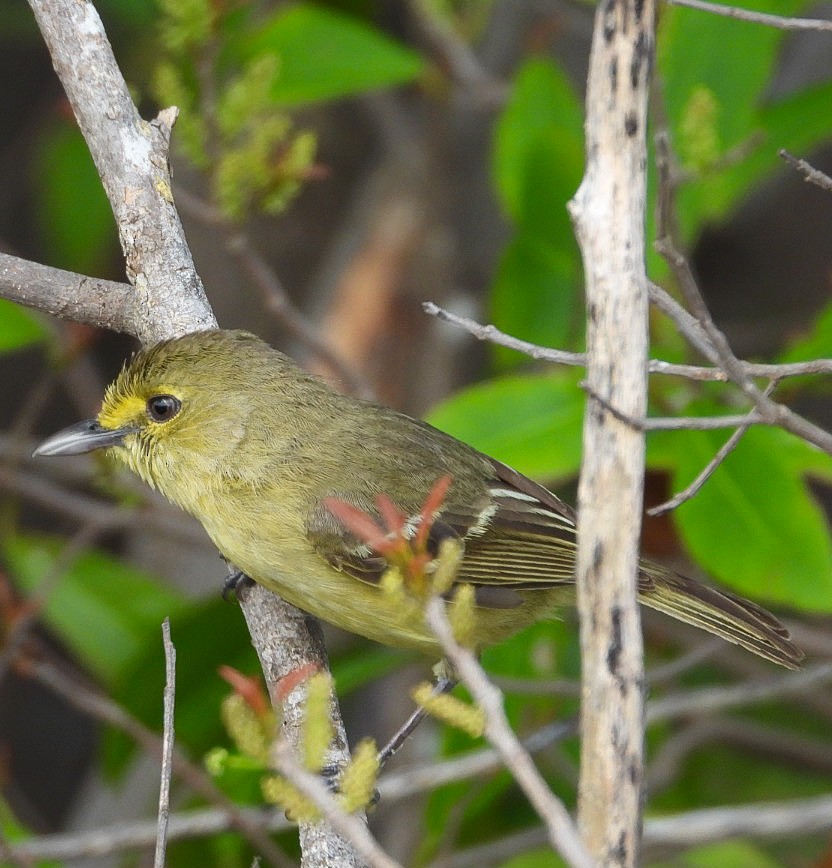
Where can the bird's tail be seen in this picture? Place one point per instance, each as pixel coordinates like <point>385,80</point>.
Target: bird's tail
<point>733,618</point>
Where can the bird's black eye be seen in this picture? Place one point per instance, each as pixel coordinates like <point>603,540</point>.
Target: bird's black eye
<point>162,408</point>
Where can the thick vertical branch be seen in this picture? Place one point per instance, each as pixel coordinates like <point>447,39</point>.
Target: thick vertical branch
<point>608,212</point>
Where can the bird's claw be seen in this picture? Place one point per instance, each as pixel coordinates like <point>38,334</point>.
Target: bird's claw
<point>233,583</point>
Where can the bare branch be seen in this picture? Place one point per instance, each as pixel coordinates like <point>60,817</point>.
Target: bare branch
<point>779,21</point>
<point>705,474</point>
<point>659,297</point>
<point>810,174</point>
<point>563,835</point>
<point>167,748</point>
<point>131,156</point>
<point>719,349</point>
<point>712,699</point>
<point>199,823</point>
<point>760,820</point>
<point>102,303</point>
<point>457,57</point>
<point>290,641</point>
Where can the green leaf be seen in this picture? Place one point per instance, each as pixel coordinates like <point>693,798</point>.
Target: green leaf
<point>206,635</point>
<point>538,148</point>
<point>324,54</point>
<point>532,422</point>
<point>14,831</point>
<point>816,344</point>
<point>541,858</point>
<point>104,610</point>
<point>75,217</point>
<point>18,327</point>
<point>535,294</point>
<point>755,524</point>
<point>364,664</point>
<point>725,854</point>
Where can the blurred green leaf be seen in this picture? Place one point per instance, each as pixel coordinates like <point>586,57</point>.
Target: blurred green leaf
<point>18,327</point>
<point>816,343</point>
<point>14,831</point>
<point>364,664</point>
<point>74,215</point>
<point>206,635</point>
<point>542,858</point>
<point>128,13</point>
<point>755,524</point>
<point>324,54</point>
<point>534,295</point>
<point>539,138</point>
<point>538,159</point>
<point>725,854</point>
<point>104,610</point>
<point>532,422</point>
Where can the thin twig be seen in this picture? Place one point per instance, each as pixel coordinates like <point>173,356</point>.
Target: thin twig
<point>563,834</point>
<point>457,56</point>
<point>769,744</point>
<point>674,423</point>
<point>779,21</point>
<point>658,297</point>
<point>163,815</point>
<point>711,699</point>
<point>761,820</point>
<point>770,411</point>
<point>349,826</point>
<point>705,474</point>
<point>140,834</point>
<point>696,655</point>
<point>767,820</point>
<point>810,174</point>
<point>394,787</point>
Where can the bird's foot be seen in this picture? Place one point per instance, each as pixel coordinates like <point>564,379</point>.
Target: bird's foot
<point>234,583</point>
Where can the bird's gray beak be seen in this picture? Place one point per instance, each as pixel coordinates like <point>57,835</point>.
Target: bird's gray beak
<point>82,437</point>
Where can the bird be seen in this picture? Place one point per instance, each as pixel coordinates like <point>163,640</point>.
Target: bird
<point>238,435</point>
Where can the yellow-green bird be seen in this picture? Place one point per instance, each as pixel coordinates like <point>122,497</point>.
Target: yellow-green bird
<point>239,436</point>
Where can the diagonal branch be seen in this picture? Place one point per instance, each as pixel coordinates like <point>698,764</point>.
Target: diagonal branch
<point>131,156</point>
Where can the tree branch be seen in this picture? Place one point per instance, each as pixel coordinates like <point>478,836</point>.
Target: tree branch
<point>781,22</point>
<point>608,213</point>
<point>658,296</point>
<point>102,303</point>
<point>131,156</point>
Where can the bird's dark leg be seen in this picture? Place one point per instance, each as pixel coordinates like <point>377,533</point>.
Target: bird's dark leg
<point>444,683</point>
<point>235,580</point>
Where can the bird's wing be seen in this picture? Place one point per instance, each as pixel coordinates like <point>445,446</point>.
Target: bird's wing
<point>523,538</point>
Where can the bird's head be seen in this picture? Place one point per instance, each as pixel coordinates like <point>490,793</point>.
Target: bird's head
<point>175,413</point>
